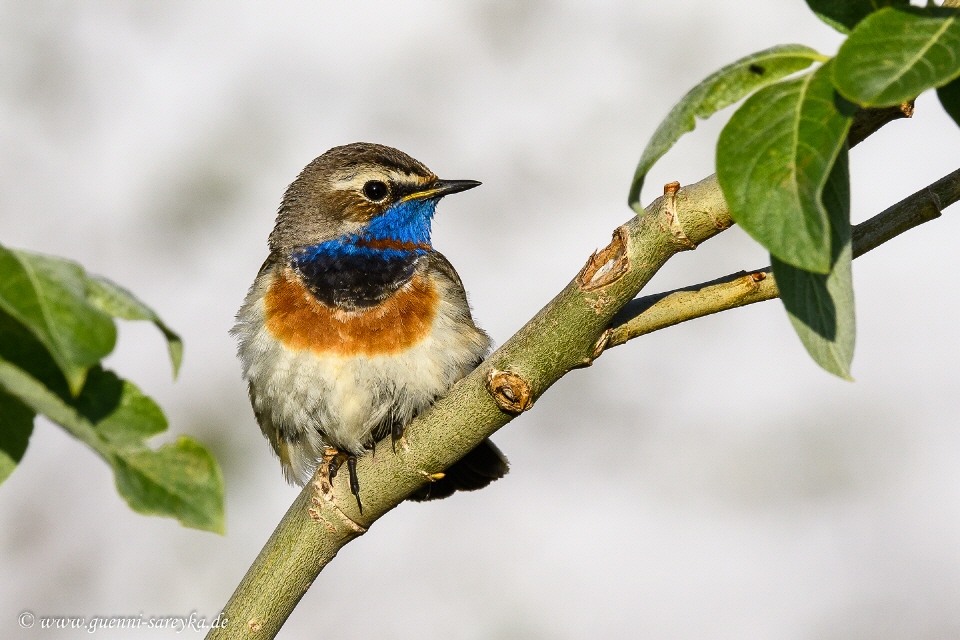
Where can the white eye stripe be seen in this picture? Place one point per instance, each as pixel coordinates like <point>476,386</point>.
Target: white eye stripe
<point>354,180</point>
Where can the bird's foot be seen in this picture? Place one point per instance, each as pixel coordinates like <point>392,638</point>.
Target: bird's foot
<point>334,459</point>
<point>354,481</point>
<point>396,435</point>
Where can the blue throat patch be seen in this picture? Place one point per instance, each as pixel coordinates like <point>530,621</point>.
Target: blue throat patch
<point>404,222</point>
<point>361,270</point>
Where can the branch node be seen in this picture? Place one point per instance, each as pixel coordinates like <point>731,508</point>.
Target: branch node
<point>607,265</point>
<point>324,499</point>
<point>601,344</point>
<point>510,391</point>
<point>433,477</point>
<point>758,276</point>
<point>869,120</point>
<point>938,205</point>
<point>673,226</point>
<point>598,348</point>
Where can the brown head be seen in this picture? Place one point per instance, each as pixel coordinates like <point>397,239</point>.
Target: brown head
<point>340,192</point>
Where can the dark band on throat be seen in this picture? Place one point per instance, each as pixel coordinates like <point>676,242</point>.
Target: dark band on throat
<point>359,275</point>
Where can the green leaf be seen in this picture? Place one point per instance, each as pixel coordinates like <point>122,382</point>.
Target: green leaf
<point>48,296</point>
<point>821,310</point>
<point>119,411</point>
<point>719,90</point>
<point>949,95</point>
<point>113,417</point>
<point>121,414</point>
<point>113,299</point>
<point>844,15</point>
<point>773,160</point>
<point>21,347</point>
<point>821,306</point>
<point>40,399</point>
<point>182,479</point>
<point>16,425</point>
<point>895,55</point>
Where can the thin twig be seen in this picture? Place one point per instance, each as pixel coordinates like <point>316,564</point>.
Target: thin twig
<point>659,311</point>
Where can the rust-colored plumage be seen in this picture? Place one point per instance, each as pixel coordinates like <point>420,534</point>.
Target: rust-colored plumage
<point>296,318</point>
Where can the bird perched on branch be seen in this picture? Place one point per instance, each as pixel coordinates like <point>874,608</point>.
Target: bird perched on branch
<point>355,324</point>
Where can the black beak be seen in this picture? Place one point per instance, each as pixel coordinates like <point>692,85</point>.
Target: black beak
<point>446,187</point>
<point>439,188</point>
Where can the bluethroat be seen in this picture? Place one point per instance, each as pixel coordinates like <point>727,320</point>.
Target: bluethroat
<point>355,324</point>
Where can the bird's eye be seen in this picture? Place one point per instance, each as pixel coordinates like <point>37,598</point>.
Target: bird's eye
<point>375,190</point>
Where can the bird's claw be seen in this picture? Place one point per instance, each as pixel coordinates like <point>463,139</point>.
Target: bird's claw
<point>334,459</point>
<point>396,435</point>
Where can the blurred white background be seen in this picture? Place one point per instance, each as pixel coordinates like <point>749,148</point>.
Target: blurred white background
<point>707,481</point>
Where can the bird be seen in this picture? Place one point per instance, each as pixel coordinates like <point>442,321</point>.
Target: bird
<point>355,324</point>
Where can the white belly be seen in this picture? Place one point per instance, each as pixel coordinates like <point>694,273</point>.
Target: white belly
<point>321,400</point>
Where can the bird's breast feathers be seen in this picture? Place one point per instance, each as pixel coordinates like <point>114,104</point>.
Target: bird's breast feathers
<point>316,370</point>
<point>295,317</point>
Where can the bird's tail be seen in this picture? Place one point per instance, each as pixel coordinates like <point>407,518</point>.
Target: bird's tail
<point>484,464</point>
